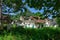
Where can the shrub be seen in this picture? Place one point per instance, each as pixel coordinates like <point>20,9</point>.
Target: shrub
<point>46,33</point>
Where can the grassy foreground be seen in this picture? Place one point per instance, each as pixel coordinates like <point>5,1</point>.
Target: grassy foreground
<point>20,33</point>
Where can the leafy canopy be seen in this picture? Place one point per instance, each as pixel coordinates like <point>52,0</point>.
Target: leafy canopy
<point>49,6</point>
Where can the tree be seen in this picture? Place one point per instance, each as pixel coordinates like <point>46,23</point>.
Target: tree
<point>0,11</point>
<point>51,7</point>
<point>58,21</point>
<point>38,14</point>
<point>15,17</point>
<point>15,4</point>
<point>28,13</point>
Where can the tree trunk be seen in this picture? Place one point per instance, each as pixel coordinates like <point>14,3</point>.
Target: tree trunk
<point>0,10</point>
<point>1,28</point>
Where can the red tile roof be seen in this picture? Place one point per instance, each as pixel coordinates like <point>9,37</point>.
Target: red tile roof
<point>37,20</point>
<point>40,21</point>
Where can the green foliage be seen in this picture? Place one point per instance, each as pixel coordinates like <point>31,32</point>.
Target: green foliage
<point>13,25</point>
<point>20,33</point>
<point>16,4</point>
<point>38,14</point>
<point>44,3</point>
<point>58,21</point>
<point>49,6</point>
<point>15,17</point>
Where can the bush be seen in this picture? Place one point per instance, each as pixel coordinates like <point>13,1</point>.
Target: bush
<point>19,33</point>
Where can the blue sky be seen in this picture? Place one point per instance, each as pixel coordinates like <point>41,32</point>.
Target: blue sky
<point>33,10</point>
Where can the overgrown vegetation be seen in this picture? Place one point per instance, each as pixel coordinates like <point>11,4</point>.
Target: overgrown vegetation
<point>20,33</point>
<point>50,7</point>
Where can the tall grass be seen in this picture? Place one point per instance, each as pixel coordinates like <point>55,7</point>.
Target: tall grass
<point>20,33</point>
